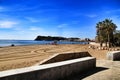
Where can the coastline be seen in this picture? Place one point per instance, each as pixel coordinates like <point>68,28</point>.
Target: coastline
<point>6,43</point>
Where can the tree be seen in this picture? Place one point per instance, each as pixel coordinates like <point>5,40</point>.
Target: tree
<point>100,33</point>
<point>105,30</point>
<point>117,38</point>
<point>109,29</point>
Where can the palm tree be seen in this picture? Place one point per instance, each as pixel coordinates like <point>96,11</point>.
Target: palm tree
<point>109,28</point>
<point>117,38</point>
<point>99,32</point>
<point>105,31</point>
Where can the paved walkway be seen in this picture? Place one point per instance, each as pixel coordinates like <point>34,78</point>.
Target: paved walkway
<point>105,70</point>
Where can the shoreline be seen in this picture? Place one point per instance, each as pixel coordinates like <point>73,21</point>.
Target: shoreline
<point>6,43</point>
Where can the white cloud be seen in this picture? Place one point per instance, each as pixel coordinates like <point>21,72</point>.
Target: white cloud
<point>34,28</point>
<point>62,25</point>
<point>75,22</point>
<point>112,11</point>
<point>1,8</point>
<point>7,24</point>
<point>4,9</point>
<point>32,19</point>
<point>91,15</point>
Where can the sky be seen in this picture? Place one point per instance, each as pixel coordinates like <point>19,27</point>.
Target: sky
<point>26,19</point>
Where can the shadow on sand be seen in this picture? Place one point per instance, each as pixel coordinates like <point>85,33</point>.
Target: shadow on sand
<point>80,76</point>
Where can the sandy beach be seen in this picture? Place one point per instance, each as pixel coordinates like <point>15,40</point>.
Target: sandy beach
<point>24,56</point>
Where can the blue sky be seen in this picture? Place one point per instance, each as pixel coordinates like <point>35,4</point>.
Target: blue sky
<point>26,19</point>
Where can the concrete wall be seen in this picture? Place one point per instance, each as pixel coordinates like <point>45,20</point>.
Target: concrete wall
<point>113,55</point>
<point>53,71</point>
<point>64,56</point>
<point>97,44</point>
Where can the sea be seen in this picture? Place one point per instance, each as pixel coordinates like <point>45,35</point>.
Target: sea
<point>4,43</point>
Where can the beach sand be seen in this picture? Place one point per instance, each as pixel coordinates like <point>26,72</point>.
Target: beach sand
<point>24,56</point>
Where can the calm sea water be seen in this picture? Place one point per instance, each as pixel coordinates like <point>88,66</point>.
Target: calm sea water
<point>32,42</point>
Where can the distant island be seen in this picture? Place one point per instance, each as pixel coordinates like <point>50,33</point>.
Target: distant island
<point>51,38</point>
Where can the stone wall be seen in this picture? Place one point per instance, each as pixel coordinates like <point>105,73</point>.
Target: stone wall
<point>53,71</point>
<point>97,44</point>
<point>113,55</point>
<point>65,56</point>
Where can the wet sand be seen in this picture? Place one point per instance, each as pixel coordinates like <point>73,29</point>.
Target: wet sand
<point>24,56</point>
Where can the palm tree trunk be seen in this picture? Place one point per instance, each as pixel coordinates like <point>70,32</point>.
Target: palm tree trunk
<point>100,44</point>
<point>105,44</point>
<point>108,40</point>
